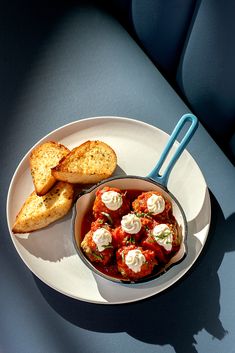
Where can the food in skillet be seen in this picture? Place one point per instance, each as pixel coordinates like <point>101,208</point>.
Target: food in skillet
<point>134,262</point>
<point>163,239</point>
<point>130,241</point>
<point>131,230</point>
<point>110,204</point>
<point>97,243</point>
<point>152,202</point>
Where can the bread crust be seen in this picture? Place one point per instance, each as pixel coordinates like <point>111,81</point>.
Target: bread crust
<point>90,162</point>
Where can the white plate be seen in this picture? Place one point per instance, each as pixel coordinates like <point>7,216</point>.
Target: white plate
<point>50,254</point>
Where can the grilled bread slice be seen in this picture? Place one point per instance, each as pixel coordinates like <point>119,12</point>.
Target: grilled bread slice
<point>88,163</point>
<point>39,211</point>
<point>42,159</point>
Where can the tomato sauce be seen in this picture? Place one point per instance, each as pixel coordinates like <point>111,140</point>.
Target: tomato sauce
<point>98,216</point>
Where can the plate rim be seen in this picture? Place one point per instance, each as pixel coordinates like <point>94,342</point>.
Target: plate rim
<point>67,125</point>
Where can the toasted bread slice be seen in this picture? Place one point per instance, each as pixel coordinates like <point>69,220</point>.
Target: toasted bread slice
<point>88,163</point>
<point>42,159</point>
<point>39,211</point>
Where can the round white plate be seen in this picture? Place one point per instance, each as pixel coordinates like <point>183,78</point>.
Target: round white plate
<point>50,253</point>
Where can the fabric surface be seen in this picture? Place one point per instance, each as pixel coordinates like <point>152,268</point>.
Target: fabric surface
<point>65,63</point>
<point>192,44</point>
<point>207,71</point>
<point>161,27</point>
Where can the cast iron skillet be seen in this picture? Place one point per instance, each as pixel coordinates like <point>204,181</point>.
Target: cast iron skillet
<point>152,182</point>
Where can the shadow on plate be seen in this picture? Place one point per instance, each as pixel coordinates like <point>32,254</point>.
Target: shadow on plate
<point>189,306</point>
<point>52,243</point>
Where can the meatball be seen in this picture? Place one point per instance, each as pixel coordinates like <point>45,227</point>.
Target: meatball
<point>110,204</point>
<point>97,245</point>
<point>154,204</point>
<point>131,230</point>
<point>163,239</point>
<point>134,262</point>
<point>121,238</point>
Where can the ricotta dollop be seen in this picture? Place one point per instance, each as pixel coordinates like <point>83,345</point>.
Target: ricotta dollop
<point>163,236</point>
<point>102,238</point>
<point>112,200</point>
<point>131,224</point>
<point>134,260</point>
<point>155,204</point>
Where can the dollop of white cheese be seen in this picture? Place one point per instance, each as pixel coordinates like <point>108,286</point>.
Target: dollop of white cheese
<point>156,204</point>
<point>131,224</point>
<point>102,238</point>
<point>134,260</point>
<point>163,236</point>
<point>112,200</point>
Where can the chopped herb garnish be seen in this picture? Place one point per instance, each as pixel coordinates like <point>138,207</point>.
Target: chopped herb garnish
<point>143,214</point>
<point>163,235</point>
<point>132,240</point>
<point>109,246</point>
<point>97,256</point>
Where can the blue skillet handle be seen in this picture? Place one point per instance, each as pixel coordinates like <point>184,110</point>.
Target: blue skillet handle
<point>154,174</point>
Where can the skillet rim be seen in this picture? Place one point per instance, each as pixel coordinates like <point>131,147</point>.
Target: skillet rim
<point>149,278</point>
